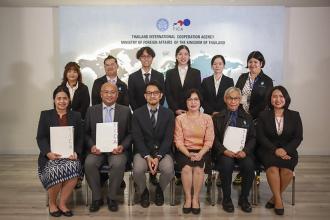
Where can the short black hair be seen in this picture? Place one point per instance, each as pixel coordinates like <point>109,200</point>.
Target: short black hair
<point>284,93</point>
<point>256,55</point>
<point>192,91</point>
<point>178,51</point>
<point>218,56</point>
<point>149,51</point>
<point>154,83</point>
<point>109,58</point>
<point>62,88</point>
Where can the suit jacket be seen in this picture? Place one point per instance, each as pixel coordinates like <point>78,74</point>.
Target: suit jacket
<point>122,91</point>
<point>136,87</point>
<point>122,116</point>
<point>49,118</point>
<point>146,138</point>
<point>259,92</point>
<point>175,91</point>
<point>213,102</point>
<point>290,138</point>
<point>221,122</point>
<point>81,99</point>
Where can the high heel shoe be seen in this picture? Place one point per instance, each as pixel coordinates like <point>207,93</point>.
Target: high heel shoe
<point>279,211</point>
<point>68,213</point>
<point>196,211</point>
<point>269,205</point>
<point>186,210</point>
<point>57,213</point>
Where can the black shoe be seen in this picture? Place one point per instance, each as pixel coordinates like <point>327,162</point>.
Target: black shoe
<point>159,198</point>
<point>228,205</point>
<point>196,211</point>
<point>279,211</point>
<point>145,199</point>
<point>112,205</point>
<point>153,179</point>
<point>57,213</point>
<point>245,205</point>
<point>269,205</point>
<point>67,213</point>
<point>123,185</point>
<point>96,205</point>
<point>186,210</point>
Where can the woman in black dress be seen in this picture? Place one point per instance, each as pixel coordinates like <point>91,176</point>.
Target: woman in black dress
<point>279,133</point>
<point>59,174</point>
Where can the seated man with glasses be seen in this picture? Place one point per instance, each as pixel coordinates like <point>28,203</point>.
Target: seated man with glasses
<point>152,131</point>
<point>234,116</point>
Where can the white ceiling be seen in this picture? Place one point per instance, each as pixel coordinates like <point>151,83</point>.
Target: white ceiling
<point>55,3</point>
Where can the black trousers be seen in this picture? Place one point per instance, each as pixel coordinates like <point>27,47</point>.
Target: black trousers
<point>225,165</point>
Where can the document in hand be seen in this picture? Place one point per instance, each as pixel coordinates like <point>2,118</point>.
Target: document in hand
<point>234,138</point>
<point>106,136</point>
<point>61,140</point>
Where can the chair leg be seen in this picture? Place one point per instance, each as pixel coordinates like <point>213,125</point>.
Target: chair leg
<point>213,187</point>
<point>254,192</point>
<point>130,189</point>
<point>172,192</point>
<point>47,199</point>
<point>293,189</point>
<point>86,188</point>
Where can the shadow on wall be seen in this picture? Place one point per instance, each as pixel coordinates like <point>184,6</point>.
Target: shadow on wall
<point>20,101</point>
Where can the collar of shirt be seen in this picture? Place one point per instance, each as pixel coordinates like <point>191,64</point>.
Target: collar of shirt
<point>72,89</point>
<point>104,106</point>
<point>183,70</point>
<point>149,108</point>
<point>144,72</point>
<point>112,80</point>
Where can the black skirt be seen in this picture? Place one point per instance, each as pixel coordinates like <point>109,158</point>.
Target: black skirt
<point>182,160</point>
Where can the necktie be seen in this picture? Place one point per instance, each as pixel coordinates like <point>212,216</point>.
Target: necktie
<point>233,117</point>
<point>147,80</point>
<point>108,117</point>
<point>153,118</point>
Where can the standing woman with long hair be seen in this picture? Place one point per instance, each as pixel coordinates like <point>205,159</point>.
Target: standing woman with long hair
<point>79,94</point>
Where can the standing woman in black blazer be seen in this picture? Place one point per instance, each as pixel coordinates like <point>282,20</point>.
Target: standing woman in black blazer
<point>59,174</point>
<point>79,94</point>
<point>279,133</point>
<point>254,85</point>
<point>214,87</point>
<point>181,79</point>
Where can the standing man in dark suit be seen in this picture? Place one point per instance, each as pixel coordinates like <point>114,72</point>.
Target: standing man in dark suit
<point>137,81</point>
<point>152,131</point>
<point>108,111</point>
<point>111,68</point>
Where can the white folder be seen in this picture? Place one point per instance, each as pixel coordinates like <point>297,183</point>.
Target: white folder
<point>61,140</point>
<point>107,136</point>
<point>234,138</point>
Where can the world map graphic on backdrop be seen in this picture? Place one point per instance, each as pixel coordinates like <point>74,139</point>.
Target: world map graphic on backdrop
<point>92,65</point>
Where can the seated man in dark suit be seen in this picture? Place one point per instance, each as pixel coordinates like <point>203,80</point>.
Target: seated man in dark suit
<point>108,111</point>
<point>152,131</point>
<point>111,68</point>
<point>137,83</point>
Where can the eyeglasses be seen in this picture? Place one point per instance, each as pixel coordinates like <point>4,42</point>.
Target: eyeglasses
<point>193,99</point>
<point>155,93</point>
<point>145,57</point>
<point>233,98</point>
<point>109,92</point>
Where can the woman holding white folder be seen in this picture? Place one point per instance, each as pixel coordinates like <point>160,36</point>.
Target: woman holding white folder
<point>59,174</point>
<point>226,157</point>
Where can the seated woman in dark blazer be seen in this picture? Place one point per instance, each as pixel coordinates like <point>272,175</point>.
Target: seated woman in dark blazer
<point>279,133</point>
<point>79,94</point>
<point>214,87</point>
<point>59,174</point>
<point>225,158</point>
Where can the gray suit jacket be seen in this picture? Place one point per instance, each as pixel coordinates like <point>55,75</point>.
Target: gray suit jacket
<point>122,116</point>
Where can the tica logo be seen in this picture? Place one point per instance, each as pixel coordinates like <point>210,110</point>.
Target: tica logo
<point>180,24</point>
